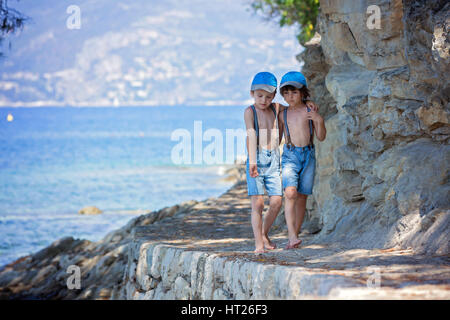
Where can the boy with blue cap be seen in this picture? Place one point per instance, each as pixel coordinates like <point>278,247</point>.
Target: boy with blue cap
<point>299,121</point>
<point>263,162</point>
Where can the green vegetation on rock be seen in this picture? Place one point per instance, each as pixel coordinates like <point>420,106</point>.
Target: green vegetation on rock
<point>291,12</point>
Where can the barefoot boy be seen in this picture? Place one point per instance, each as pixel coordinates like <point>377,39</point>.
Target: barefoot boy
<point>299,122</point>
<point>263,162</point>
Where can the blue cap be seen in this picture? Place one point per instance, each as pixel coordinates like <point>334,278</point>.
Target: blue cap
<point>264,81</point>
<point>293,78</point>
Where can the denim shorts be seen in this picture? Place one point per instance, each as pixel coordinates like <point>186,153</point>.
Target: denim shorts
<point>298,168</point>
<point>269,175</point>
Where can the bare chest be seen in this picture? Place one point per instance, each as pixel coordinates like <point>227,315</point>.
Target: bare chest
<point>266,119</point>
<point>297,121</point>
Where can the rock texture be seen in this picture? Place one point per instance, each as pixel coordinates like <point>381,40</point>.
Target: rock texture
<point>44,275</point>
<point>383,170</point>
<point>158,271</point>
<point>164,272</point>
<point>212,258</point>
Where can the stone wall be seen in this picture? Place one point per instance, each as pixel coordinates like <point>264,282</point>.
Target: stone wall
<point>163,272</point>
<point>383,173</point>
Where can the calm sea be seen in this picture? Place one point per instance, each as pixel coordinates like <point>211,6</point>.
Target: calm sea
<point>55,161</point>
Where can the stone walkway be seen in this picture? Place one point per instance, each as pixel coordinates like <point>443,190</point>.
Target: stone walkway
<point>222,226</point>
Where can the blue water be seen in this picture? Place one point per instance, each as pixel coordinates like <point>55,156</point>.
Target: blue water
<point>55,161</point>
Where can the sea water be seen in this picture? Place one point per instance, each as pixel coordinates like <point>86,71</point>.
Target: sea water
<point>56,160</point>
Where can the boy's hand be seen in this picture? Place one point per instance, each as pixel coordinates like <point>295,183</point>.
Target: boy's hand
<point>253,170</point>
<point>313,115</point>
<point>312,105</point>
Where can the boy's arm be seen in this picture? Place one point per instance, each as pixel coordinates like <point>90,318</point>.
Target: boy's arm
<point>281,123</point>
<point>319,128</point>
<point>251,135</point>
<point>318,124</point>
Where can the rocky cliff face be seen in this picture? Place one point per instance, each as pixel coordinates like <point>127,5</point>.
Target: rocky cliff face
<point>383,171</point>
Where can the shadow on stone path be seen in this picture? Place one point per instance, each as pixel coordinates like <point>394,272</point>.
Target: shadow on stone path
<point>223,226</point>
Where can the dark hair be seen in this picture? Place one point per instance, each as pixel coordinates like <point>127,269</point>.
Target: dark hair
<point>304,91</point>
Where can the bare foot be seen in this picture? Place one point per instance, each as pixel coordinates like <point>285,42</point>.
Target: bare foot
<point>294,244</point>
<point>269,244</point>
<point>259,251</point>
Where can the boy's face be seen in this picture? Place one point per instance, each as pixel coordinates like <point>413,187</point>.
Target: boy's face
<point>292,96</point>
<point>263,99</point>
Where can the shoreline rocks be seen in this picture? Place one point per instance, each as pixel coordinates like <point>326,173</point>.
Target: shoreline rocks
<point>44,274</point>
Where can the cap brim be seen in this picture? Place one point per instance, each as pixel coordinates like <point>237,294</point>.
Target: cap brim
<point>295,84</point>
<point>265,87</point>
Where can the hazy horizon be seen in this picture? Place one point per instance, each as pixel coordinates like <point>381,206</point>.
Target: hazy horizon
<point>144,53</point>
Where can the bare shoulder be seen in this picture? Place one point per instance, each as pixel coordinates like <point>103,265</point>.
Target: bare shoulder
<point>248,114</point>
<point>248,111</point>
<point>280,111</point>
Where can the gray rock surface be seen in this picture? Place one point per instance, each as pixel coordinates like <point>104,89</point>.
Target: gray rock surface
<point>44,275</point>
<point>384,165</point>
<point>219,263</point>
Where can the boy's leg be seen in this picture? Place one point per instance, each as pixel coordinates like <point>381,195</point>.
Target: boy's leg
<point>300,209</point>
<point>271,215</point>
<point>289,212</point>
<point>305,187</point>
<point>257,208</point>
<point>291,168</point>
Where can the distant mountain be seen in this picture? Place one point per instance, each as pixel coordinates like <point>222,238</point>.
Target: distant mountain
<point>141,52</point>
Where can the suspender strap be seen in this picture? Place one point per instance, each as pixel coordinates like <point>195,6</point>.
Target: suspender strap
<point>288,136</point>
<point>286,129</point>
<point>274,111</point>
<point>255,117</point>
<point>311,132</point>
